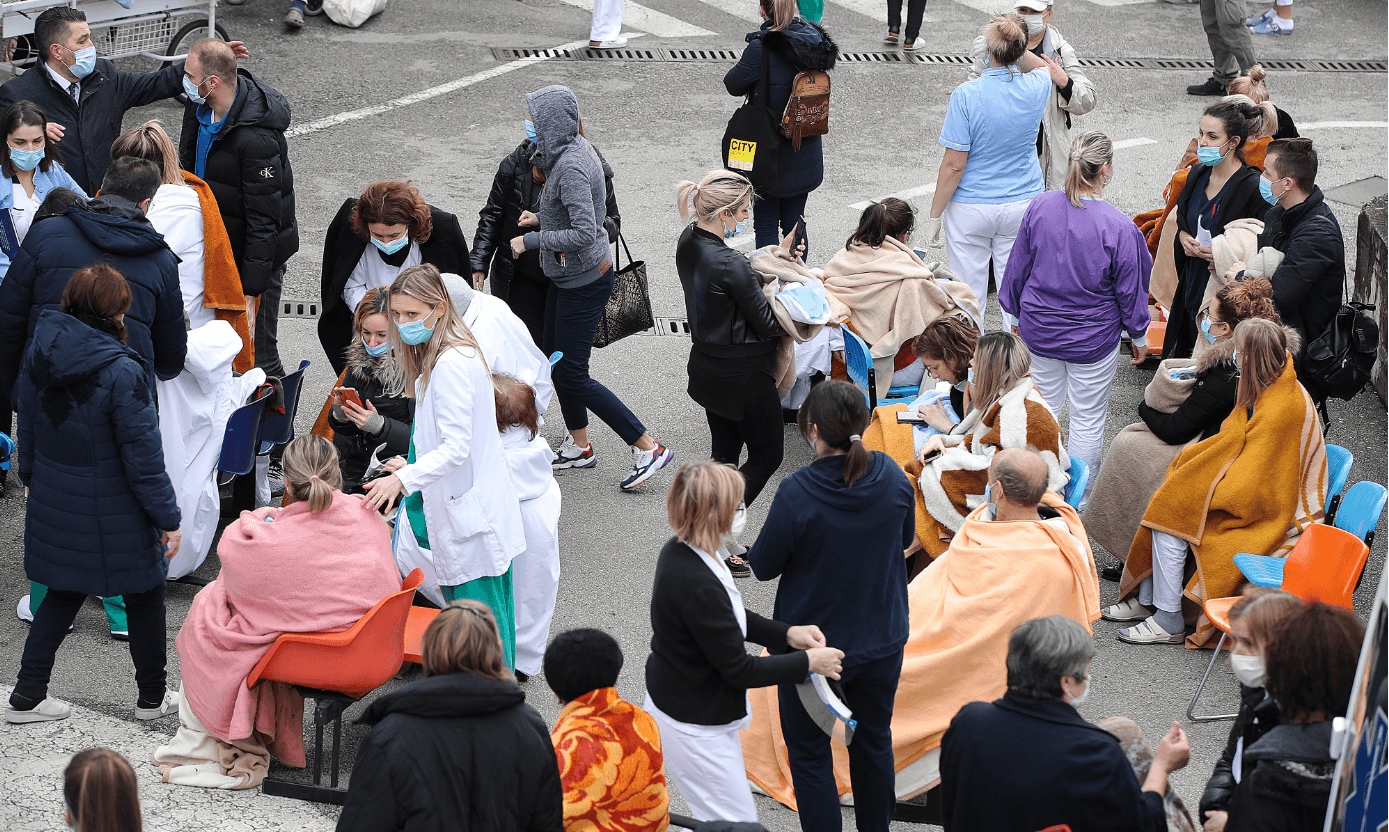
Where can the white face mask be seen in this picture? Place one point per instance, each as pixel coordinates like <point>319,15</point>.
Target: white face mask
<point>1248,669</point>
<point>740,520</point>
<point>1077,701</point>
<point>1035,25</point>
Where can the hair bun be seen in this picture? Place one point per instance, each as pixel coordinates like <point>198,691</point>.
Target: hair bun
<point>1257,73</point>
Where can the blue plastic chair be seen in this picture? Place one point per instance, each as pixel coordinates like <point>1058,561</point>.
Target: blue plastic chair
<point>1080,477</point>
<point>278,428</point>
<point>1359,514</point>
<point>240,440</point>
<point>1338,462</point>
<point>859,363</point>
<point>555,357</point>
<point>6,450</point>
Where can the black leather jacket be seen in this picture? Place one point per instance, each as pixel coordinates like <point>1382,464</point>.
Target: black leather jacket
<point>514,191</point>
<point>1257,714</point>
<point>728,313</point>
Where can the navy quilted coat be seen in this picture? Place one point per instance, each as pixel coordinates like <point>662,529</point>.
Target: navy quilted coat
<point>113,231</point>
<point>94,465</point>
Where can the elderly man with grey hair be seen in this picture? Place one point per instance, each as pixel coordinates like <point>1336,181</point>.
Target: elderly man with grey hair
<point>1052,768</point>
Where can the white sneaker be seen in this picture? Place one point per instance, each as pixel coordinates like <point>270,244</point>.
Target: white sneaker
<point>570,455</point>
<point>49,710</point>
<point>23,611</point>
<point>167,707</point>
<point>615,43</point>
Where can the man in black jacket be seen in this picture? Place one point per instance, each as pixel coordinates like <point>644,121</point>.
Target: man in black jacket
<point>111,229</point>
<point>1308,285</point>
<point>85,97</point>
<point>234,139</point>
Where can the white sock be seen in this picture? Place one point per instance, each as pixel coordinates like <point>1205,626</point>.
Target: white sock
<point>1284,24</point>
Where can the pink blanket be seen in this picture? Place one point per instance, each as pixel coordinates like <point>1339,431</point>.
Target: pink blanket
<point>284,570</point>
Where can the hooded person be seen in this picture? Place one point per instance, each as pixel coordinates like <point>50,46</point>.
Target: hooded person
<point>193,411</point>
<point>110,229</point>
<point>574,256</point>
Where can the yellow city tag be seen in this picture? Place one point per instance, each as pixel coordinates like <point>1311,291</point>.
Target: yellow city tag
<point>740,154</point>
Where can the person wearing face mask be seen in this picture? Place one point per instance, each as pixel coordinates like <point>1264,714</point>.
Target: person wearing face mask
<point>374,238</point>
<point>1026,546</point>
<point>511,210</point>
<point>575,256</point>
<point>460,517</point>
<point>1309,282</point>
<point>30,169</point>
<point>1077,280</point>
<point>734,334</point>
<point>86,97</point>
<point>1253,621</point>
<point>849,499</point>
<point>1073,94</point>
<point>234,140</point>
<point>1072,773</point>
<point>386,413</point>
<point>1220,189</point>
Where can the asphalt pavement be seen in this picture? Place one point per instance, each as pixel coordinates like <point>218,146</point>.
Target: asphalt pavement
<point>419,93</point>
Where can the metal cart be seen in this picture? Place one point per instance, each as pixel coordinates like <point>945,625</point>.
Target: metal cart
<point>158,29</point>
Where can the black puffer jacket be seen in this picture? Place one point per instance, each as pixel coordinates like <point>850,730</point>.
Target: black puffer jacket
<point>1257,714</point>
<point>729,316</point>
<point>452,752</point>
<point>1286,782</point>
<point>249,173</point>
<point>376,381</point>
<point>800,46</point>
<point>1308,284</point>
<point>514,191</point>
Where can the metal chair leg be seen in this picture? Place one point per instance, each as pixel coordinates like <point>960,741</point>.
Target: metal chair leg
<point>318,743</point>
<point>337,744</point>
<point>1191,707</point>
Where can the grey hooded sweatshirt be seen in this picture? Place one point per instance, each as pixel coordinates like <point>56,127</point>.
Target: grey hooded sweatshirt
<point>571,238</point>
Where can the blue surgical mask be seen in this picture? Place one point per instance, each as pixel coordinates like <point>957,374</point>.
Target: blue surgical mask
<point>530,130</point>
<point>378,350</point>
<point>190,89</point>
<point>1206,329</point>
<point>1266,191</point>
<point>730,233</point>
<point>85,63</point>
<point>1209,156</point>
<point>26,159</point>
<point>393,246</point>
<point>988,498</point>
<point>1234,356</point>
<point>414,333</point>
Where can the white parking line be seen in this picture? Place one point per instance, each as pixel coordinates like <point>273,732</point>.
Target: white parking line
<point>637,16</point>
<point>1326,125</point>
<point>741,9</point>
<point>876,9</point>
<point>1133,143</point>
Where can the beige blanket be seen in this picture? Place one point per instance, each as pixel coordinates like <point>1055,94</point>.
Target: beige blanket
<point>778,265</point>
<point>196,758</point>
<point>890,295</point>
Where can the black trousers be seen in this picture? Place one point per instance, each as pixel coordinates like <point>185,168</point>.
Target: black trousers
<point>148,644</point>
<point>526,298</point>
<point>267,333</point>
<point>760,430</point>
<point>916,9</point>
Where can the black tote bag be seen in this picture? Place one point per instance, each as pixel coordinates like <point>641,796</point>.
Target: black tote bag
<point>629,306</point>
<point>753,137</point>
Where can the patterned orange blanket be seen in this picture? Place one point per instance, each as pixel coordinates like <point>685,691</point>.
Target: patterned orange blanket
<point>610,766</point>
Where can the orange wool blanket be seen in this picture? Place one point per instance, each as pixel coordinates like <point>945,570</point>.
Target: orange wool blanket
<point>1252,488</point>
<point>221,280</point>
<point>610,766</point>
<point>963,608</point>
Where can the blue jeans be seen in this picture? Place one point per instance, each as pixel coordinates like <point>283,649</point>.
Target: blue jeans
<point>869,691</point>
<point>571,318</point>
<point>769,214</point>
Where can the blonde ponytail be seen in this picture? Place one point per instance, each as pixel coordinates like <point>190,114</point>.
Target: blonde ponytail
<point>1090,152</point>
<point>718,191</point>
<point>311,472</point>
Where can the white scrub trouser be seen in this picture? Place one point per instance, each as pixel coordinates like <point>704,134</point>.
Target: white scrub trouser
<point>1164,588</point>
<point>535,576</point>
<point>607,20</point>
<point>975,232</point>
<point>707,766</point>
<point>1087,388</point>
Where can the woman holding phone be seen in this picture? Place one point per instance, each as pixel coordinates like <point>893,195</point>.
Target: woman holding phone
<point>460,518</point>
<point>370,409</point>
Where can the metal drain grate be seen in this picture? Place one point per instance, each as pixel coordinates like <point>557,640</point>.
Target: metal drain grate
<point>290,308</point>
<point>669,326</point>
<point>894,58</point>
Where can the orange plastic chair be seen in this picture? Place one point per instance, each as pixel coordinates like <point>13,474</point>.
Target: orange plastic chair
<point>1324,566</point>
<point>335,670</point>
<point>415,625</point>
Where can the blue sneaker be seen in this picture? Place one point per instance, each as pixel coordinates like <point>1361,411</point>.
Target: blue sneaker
<point>1255,21</point>
<point>1270,27</point>
<point>646,463</point>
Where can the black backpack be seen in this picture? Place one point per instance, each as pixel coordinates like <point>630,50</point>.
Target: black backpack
<point>1340,361</point>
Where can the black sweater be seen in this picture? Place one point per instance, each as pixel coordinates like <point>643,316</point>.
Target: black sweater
<point>699,672</point>
<point>1208,405</point>
<point>1257,714</point>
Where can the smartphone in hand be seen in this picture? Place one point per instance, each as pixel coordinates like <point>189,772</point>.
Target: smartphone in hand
<point>798,237</point>
<point>348,394</point>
